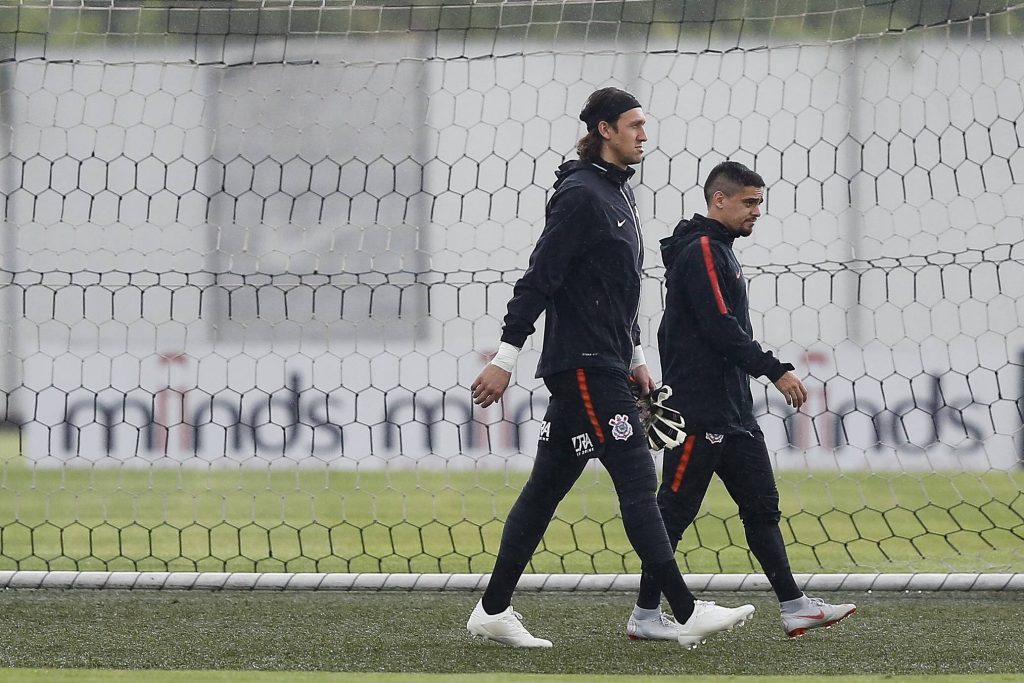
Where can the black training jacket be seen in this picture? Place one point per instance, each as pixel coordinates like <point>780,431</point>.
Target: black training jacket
<point>584,272</point>
<point>708,353</point>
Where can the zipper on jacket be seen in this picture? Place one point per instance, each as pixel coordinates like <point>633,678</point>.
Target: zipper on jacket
<point>639,254</point>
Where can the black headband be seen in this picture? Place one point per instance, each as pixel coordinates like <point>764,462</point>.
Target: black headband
<point>610,111</point>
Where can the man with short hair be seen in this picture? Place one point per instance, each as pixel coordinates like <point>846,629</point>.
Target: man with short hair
<point>585,274</point>
<point>708,355</point>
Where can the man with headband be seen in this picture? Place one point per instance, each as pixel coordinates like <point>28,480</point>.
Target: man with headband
<point>585,274</point>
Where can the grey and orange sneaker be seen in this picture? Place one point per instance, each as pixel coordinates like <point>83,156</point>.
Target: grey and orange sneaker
<point>660,627</point>
<point>814,613</point>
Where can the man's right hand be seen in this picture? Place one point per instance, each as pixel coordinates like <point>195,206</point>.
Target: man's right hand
<point>490,385</point>
<point>790,386</point>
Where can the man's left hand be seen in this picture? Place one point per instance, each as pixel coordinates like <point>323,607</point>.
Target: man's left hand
<point>790,386</point>
<point>642,377</point>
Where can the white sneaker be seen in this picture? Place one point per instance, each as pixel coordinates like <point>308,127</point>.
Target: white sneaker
<point>662,627</point>
<point>505,628</point>
<point>708,619</point>
<point>818,614</point>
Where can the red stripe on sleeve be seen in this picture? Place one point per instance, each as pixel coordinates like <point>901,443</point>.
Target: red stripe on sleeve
<point>709,265</point>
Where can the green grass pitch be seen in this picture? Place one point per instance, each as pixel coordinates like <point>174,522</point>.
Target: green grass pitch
<point>404,520</point>
<point>927,636</point>
<point>435,521</point>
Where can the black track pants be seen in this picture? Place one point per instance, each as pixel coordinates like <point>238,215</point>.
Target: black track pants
<point>741,461</point>
<point>592,414</point>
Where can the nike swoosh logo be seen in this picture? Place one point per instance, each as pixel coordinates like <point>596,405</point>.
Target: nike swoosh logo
<point>621,223</point>
<point>819,615</point>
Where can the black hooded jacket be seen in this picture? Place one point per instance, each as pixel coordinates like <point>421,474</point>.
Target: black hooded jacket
<point>584,271</point>
<point>708,353</point>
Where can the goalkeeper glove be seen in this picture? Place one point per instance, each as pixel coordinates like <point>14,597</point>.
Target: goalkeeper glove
<point>664,426</point>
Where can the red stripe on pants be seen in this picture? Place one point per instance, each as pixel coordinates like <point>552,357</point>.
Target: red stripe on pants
<point>684,460</point>
<point>581,379</point>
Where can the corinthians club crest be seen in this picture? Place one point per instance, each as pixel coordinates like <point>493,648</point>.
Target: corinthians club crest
<point>621,429</point>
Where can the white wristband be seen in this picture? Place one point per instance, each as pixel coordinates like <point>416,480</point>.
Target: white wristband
<point>505,357</point>
<point>638,358</point>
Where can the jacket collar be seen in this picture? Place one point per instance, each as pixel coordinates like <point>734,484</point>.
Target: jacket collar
<point>617,175</point>
<point>712,228</point>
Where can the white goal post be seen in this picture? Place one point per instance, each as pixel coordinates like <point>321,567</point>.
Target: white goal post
<point>316,581</point>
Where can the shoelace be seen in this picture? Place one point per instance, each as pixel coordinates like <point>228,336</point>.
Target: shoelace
<point>516,620</point>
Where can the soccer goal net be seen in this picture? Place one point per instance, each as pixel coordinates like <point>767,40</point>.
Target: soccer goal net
<point>254,253</point>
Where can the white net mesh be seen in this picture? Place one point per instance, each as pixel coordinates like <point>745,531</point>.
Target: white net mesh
<point>254,256</point>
